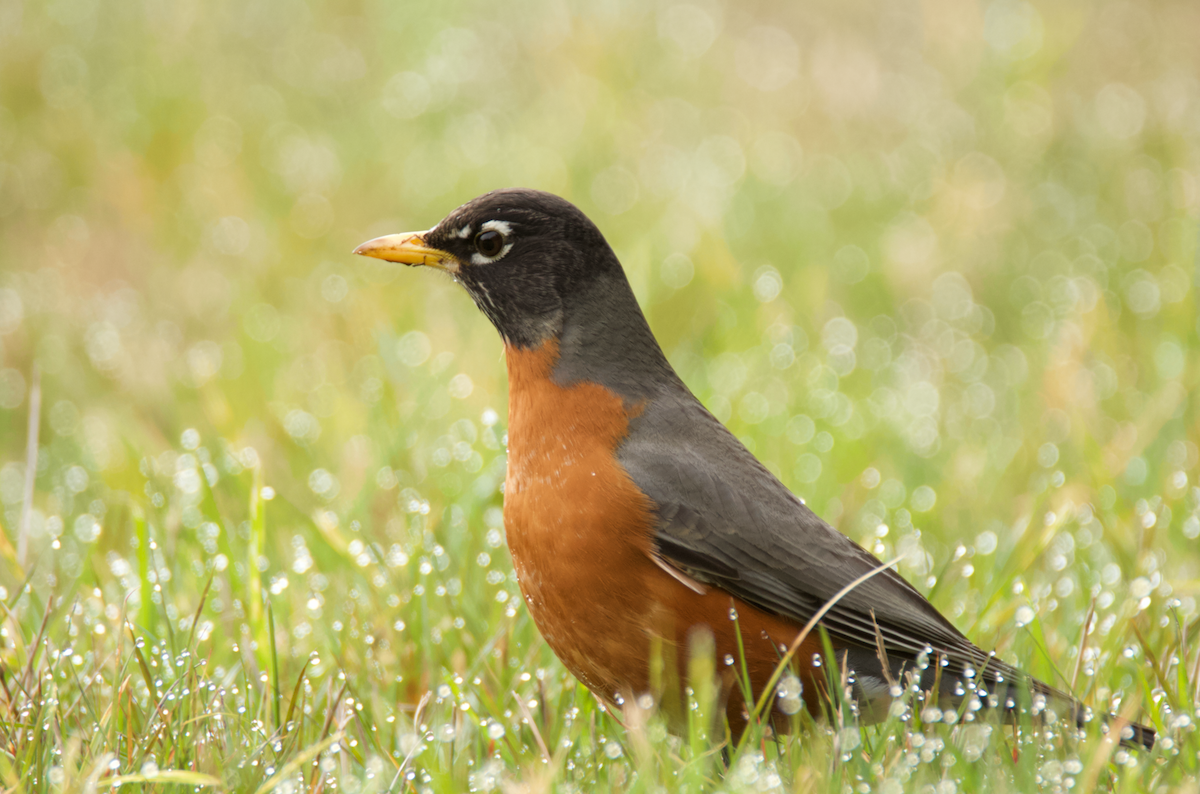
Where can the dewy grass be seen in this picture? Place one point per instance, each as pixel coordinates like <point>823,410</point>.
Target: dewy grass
<point>429,677</point>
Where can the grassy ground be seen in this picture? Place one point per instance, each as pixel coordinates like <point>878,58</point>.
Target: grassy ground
<point>935,264</point>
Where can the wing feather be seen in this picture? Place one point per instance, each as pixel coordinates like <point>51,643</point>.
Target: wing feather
<point>724,520</point>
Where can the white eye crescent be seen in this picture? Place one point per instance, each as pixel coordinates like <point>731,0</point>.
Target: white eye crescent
<point>492,243</point>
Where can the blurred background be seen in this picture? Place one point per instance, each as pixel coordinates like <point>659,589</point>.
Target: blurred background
<point>933,261</point>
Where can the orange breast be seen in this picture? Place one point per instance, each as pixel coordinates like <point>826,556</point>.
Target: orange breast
<point>580,533</point>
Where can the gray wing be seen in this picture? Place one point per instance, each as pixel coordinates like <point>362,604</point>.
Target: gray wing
<point>725,520</point>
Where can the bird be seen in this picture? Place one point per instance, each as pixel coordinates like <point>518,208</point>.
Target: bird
<point>637,522</point>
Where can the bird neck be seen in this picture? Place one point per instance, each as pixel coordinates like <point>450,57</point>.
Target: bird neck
<point>605,339</point>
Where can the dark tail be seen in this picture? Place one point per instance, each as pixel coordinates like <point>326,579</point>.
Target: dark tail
<point>1015,690</point>
<point>1134,735</point>
<point>1000,686</point>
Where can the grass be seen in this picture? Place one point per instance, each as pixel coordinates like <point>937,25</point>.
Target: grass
<point>935,267</point>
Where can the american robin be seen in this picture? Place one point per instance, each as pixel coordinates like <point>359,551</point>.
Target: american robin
<point>635,518</point>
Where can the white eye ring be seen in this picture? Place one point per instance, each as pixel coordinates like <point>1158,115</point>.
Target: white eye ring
<point>504,229</point>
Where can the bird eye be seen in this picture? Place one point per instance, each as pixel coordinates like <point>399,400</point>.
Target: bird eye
<point>489,243</point>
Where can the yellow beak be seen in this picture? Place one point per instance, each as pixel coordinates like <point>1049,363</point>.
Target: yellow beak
<point>408,248</point>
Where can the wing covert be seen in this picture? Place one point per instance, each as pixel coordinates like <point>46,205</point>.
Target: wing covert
<point>726,521</point>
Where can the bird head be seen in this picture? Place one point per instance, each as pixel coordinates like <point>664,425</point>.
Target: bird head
<point>519,254</point>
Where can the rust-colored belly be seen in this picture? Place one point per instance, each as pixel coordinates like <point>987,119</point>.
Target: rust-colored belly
<point>577,525</point>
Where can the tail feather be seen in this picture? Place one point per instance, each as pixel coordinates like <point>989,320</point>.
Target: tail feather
<point>1131,734</point>
<point>998,685</point>
<point>1134,734</point>
<point>1015,694</point>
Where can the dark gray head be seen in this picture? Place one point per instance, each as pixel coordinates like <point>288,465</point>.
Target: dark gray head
<point>520,254</point>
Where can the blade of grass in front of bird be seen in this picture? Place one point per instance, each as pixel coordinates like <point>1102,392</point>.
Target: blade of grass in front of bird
<point>768,692</point>
<point>1036,632</point>
<point>1159,675</point>
<point>1107,746</point>
<point>1148,692</point>
<point>743,677</point>
<point>701,712</point>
